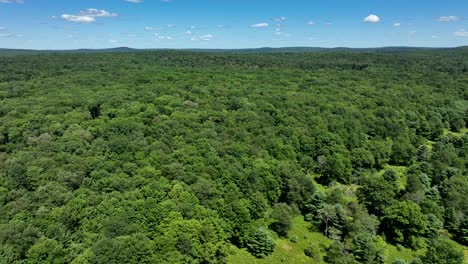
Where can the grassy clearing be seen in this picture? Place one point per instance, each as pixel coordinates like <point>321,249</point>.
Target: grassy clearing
<point>287,251</point>
<point>400,171</point>
<point>392,253</point>
<point>462,132</point>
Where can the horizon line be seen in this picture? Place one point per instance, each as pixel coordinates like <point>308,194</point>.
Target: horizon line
<point>245,48</point>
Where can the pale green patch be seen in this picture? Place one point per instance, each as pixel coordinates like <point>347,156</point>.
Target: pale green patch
<point>392,253</point>
<point>287,251</point>
<point>400,171</point>
<point>462,132</point>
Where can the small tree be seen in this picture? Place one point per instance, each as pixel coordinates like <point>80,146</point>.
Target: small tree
<point>313,252</point>
<point>282,219</point>
<point>462,233</point>
<point>261,243</point>
<point>94,110</point>
<point>403,222</point>
<point>337,253</point>
<point>333,220</point>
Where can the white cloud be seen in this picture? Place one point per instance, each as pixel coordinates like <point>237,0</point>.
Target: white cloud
<point>2,28</point>
<point>91,12</point>
<point>11,1</point>
<point>207,37</point>
<point>461,33</point>
<point>135,1</point>
<point>79,19</point>
<point>371,19</point>
<point>259,25</point>
<point>397,24</point>
<point>448,18</point>
<point>188,32</point>
<point>311,23</point>
<point>113,41</point>
<point>87,15</point>
<point>434,37</point>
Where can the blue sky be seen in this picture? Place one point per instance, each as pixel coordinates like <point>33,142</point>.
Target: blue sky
<point>71,24</point>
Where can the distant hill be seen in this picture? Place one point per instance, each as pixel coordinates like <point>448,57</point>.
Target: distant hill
<point>31,52</point>
<point>13,52</point>
<point>337,49</point>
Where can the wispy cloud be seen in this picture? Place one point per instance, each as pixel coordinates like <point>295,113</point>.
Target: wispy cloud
<point>259,25</point>
<point>152,28</point>
<point>11,1</point>
<point>4,33</point>
<point>135,1</point>
<point>448,18</point>
<point>87,15</point>
<point>206,37</point>
<point>461,33</point>
<point>97,13</point>
<point>165,37</point>
<point>279,33</point>
<point>311,23</point>
<point>10,35</point>
<point>371,19</point>
<point>279,19</point>
<point>396,24</point>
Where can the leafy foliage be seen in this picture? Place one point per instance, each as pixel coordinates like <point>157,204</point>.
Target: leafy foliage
<point>176,157</point>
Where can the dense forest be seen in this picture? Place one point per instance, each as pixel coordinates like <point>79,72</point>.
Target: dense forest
<point>218,157</point>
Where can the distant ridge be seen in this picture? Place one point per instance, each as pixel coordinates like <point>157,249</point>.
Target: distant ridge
<point>31,51</point>
<point>396,49</point>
